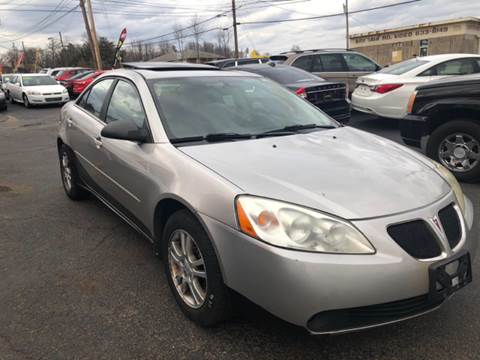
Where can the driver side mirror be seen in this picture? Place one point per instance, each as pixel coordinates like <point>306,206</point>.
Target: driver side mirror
<point>124,130</point>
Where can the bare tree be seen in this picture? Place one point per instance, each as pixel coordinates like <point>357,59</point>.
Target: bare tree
<point>179,38</point>
<point>196,31</point>
<point>223,40</point>
<point>295,47</point>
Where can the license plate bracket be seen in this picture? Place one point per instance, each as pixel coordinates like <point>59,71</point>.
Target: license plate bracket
<point>445,280</point>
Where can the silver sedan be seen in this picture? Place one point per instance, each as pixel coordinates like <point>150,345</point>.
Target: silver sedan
<point>242,185</point>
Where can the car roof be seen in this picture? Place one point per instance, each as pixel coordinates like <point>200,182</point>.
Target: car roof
<point>443,57</point>
<point>166,66</point>
<point>33,74</point>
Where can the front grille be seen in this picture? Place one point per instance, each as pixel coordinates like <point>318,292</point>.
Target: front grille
<point>345,319</point>
<point>326,93</point>
<point>451,225</point>
<point>416,238</point>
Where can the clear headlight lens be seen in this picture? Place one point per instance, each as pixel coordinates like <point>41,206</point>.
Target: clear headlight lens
<point>296,227</point>
<point>65,91</point>
<point>452,181</point>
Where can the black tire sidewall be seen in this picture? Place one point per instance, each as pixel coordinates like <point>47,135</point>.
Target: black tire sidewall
<point>76,192</point>
<point>27,102</point>
<point>217,305</point>
<point>465,126</point>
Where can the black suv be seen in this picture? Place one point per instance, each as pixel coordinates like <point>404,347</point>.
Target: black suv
<point>449,112</point>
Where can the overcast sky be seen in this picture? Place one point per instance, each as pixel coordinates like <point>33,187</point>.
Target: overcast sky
<point>148,18</point>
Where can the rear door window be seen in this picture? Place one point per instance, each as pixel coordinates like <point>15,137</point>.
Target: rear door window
<point>332,63</point>
<point>304,63</point>
<point>455,67</point>
<point>94,102</point>
<point>357,62</point>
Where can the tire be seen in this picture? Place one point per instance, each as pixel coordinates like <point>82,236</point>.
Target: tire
<point>26,103</point>
<point>217,303</point>
<point>464,135</point>
<point>68,170</point>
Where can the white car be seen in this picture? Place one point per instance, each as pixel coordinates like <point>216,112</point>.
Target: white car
<point>386,93</point>
<point>35,89</point>
<point>4,79</point>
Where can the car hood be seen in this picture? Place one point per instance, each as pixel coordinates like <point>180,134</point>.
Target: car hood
<point>45,88</point>
<point>342,171</point>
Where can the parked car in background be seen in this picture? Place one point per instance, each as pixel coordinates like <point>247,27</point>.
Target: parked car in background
<point>325,226</point>
<point>80,84</point>
<point>448,112</point>
<point>36,89</point>
<point>3,101</point>
<point>331,97</point>
<point>53,72</point>
<point>278,59</point>
<point>69,82</point>
<point>68,73</point>
<point>333,64</point>
<point>386,92</point>
<point>227,63</point>
<point>4,79</point>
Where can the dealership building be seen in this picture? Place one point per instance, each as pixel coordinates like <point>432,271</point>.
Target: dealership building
<point>394,45</point>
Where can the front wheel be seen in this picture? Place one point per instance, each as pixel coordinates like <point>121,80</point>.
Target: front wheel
<point>26,102</point>
<point>456,145</point>
<point>10,98</point>
<point>193,271</point>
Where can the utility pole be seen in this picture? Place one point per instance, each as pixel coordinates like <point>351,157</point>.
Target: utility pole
<point>234,14</point>
<point>62,57</point>
<point>94,34</point>
<point>347,37</point>
<point>89,34</point>
<point>24,56</point>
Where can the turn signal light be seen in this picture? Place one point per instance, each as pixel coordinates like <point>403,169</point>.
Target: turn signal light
<point>411,101</point>
<point>244,222</point>
<point>382,89</point>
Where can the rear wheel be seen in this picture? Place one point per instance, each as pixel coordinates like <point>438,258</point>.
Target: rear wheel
<point>456,145</point>
<point>70,178</point>
<point>193,271</point>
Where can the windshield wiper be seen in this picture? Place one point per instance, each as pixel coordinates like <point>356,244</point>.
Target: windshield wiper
<point>215,137</point>
<point>288,130</point>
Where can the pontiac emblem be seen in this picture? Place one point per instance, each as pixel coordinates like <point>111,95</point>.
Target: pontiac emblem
<point>437,223</point>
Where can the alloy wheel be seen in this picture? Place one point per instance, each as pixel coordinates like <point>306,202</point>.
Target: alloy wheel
<point>187,268</point>
<point>66,172</point>
<point>459,152</point>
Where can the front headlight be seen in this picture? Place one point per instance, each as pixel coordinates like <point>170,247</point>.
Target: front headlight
<point>65,91</point>
<point>291,226</point>
<point>452,181</point>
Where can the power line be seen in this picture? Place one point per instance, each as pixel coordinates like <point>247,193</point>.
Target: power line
<point>328,15</point>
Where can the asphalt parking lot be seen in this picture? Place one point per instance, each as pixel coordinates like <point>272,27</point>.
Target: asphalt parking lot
<point>77,283</point>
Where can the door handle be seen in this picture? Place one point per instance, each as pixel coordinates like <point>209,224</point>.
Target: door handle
<point>69,122</point>
<point>98,142</point>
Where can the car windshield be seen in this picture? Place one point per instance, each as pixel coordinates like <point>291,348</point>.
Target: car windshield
<point>38,80</point>
<point>403,67</point>
<point>201,106</point>
<point>287,74</point>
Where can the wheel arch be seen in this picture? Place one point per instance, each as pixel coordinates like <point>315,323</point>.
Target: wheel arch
<point>165,208</point>
<point>443,114</point>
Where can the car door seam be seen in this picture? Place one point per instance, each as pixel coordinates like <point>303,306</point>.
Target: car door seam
<point>109,177</point>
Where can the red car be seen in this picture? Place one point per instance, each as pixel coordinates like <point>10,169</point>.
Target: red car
<point>80,84</point>
<point>68,73</point>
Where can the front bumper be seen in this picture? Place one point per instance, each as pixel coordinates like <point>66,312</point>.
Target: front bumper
<point>297,286</point>
<point>48,99</point>
<point>412,129</point>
